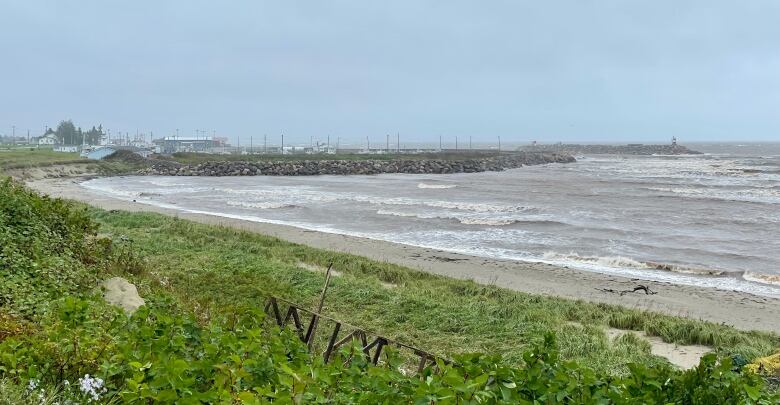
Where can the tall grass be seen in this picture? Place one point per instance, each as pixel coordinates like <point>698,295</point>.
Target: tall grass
<point>211,266</point>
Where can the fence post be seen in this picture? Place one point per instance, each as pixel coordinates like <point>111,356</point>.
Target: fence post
<point>315,318</point>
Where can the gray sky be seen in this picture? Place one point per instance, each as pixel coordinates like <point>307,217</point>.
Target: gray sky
<point>547,70</point>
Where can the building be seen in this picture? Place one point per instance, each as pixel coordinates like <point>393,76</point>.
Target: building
<point>173,144</point>
<point>48,139</point>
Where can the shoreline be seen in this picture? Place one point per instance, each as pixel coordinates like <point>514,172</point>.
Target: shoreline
<point>741,310</point>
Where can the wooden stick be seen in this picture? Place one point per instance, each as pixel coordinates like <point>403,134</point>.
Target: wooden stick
<point>313,328</point>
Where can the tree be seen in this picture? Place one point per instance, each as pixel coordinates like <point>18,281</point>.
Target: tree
<point>66,133</point>
<point>93,136</point>
<point>69,134</point>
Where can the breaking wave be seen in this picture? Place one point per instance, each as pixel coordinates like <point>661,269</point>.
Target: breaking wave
<point>773,279</point>
<point>260,205</point>
<point>487,221</point>
<point>620,261</point>
<point>426,185</point>
<point>468,219</point>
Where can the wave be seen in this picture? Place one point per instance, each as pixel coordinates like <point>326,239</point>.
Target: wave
<point>400,214</point>
<point>765,194</point>
<point>316,196</point>
<point>468,220</point>
<point>486,221</point>
<point>773,279</point>
<point>260,205</point>
<point>620,261</point>
<point>113,191</point>
<point>425,185</point>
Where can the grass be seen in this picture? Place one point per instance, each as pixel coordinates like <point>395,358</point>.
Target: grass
<point>34,157</point>
<point>214,267</point>
<point>31,158</point>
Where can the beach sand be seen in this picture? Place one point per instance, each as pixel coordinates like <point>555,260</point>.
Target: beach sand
<point>741,310</point>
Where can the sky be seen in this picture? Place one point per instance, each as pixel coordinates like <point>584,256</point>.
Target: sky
<point>577,70</point>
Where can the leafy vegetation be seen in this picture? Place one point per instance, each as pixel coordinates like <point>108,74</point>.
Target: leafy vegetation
<point>48,250</point>
<point>194,344</point>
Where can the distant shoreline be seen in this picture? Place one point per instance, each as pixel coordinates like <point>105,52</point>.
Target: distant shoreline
<point>742,310</point>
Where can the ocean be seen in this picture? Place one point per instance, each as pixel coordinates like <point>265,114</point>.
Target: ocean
<point>710,220</point>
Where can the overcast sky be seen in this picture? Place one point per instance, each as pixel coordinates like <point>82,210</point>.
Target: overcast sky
<point>573,70</point>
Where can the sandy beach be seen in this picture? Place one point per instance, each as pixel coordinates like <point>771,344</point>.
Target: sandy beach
<point>742,310</point>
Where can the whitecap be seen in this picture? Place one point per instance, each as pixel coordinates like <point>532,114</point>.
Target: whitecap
<point>436,186</point>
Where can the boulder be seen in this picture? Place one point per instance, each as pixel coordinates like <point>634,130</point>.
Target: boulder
<point>122,293</point>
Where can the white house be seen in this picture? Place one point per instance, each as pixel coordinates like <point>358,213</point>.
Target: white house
<point>48,139</point>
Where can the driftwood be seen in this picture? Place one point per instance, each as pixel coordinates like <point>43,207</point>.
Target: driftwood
<point>639,287</point>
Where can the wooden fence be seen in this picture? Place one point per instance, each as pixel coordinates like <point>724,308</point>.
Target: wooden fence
<point>371,343</point>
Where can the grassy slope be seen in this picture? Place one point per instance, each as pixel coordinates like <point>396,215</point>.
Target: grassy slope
<point>25,158</point>
<point>214,266</point>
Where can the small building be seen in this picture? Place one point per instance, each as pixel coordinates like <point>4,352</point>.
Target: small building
<point>173,144</point>
<point>48,139</point>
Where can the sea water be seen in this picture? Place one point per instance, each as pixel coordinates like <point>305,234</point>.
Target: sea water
<point>711,220</point>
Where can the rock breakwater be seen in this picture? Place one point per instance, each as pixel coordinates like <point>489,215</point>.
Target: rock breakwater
<point>350,167</point>
<point>630,149</point>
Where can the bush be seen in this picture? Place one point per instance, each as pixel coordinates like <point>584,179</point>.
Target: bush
<point>47,247</point>
<point>161,355</point>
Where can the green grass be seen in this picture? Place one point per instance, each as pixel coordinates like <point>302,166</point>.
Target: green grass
<point>30,158</point>
<point>33,157</point>
<point>214,267</point>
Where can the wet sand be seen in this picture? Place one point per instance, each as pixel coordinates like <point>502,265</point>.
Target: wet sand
<point>742,310</point>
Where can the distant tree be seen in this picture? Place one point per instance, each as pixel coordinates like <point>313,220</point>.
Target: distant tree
<point>67,134</point>
<point>93,136</point>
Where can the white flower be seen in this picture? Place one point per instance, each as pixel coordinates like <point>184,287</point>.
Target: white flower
<point>91,386</point>
<point>32,385</point>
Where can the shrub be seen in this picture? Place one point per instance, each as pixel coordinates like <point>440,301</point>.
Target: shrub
<point>47,249</point>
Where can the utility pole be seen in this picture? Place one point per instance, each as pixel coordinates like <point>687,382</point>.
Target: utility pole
<point>456,142</point>
<point>499,144</point>
<point>282,150</point>
<point>439,143</point>
<point>398,142</point>
<point>251,144</point>
<point>265,144</point>
<point>13,133</point>
<point>387,147</point>
<point>28,136</point>
<point>368,146</point>
<point>469,142</point>
<point>327,148</point>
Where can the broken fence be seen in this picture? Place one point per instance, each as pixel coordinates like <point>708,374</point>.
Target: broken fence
<point>372,349</point>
